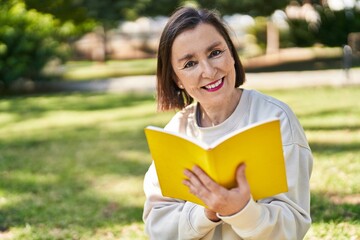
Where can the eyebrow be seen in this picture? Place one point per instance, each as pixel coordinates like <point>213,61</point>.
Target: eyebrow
<point>190,55</point>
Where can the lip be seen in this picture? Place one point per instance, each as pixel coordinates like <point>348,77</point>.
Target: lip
<point>214,86</point>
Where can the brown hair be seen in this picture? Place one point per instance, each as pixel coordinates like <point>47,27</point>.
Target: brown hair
<point>169,95</point>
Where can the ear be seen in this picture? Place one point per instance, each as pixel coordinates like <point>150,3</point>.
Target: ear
<point>180,85</point>
<point>177,81</point>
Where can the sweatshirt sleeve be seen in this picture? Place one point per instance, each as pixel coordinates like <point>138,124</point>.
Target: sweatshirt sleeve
<point>284,216</point>
<point>168,218</point>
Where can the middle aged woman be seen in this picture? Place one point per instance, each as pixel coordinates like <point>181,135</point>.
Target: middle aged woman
<point>199,72</point>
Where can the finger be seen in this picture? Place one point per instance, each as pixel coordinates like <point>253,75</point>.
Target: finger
<point>210,184</point>
<point>196,186</point>
<point>192,178</point>
<point>194,183</point>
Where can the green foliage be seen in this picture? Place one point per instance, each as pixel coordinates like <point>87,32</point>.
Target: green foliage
<point>72,15</point>
<point>158,7</point>
<point>259,31</point>
<point>64,10</point>
<point>335,26</point>
<point>332,30</point>
<point>28,40</point>
<point>300,34</point>
<point>106,12</point>
<point>110,12</point>
<point>252,7</point>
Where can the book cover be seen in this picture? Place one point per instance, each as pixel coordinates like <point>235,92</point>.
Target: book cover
<point>258,145</point>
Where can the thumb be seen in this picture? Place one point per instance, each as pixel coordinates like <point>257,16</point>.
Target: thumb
<point>240,175</point>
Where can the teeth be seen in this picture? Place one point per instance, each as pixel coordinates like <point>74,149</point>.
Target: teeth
<point>214,85</point>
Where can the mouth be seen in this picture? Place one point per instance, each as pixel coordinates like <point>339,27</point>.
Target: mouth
<point>214,86</point>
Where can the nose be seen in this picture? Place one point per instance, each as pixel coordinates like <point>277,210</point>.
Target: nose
<point>207,69</point>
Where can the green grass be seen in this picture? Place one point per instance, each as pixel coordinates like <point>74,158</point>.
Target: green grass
<point>78,71</point>
<point>72,165</point>
<point>319,59</point>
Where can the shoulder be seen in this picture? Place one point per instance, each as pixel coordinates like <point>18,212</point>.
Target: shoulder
<point>182,119</point>
<point>262,106</point>
<point>264,101</point>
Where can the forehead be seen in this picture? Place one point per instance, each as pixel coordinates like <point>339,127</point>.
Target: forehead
<point>196,39</point>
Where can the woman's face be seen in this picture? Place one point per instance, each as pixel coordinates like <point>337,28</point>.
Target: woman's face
<point>203,65</point>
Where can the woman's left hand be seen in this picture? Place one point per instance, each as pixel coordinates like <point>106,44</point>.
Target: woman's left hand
<point>219,200</point>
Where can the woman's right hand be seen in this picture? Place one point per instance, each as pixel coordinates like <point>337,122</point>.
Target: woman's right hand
<point>219,200</point>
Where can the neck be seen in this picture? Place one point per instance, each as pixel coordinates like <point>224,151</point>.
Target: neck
<point>214,115</point>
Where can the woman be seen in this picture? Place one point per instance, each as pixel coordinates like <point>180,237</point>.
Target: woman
<point>200,73</point>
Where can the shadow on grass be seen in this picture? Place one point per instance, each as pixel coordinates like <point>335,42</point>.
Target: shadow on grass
<point>47,179</point>
<point>306,65</point>
<point>352,127</point>
<point>62,204</point>
<point>28,107</point>
<point>123,152</point>
<point>328,207</point>
<point>332,148</point>
<point>329,112</point>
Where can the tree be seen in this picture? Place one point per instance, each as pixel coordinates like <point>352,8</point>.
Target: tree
<point>161,7</point>
<point>251,7</point>
<point>106,13</point>
<point>335,26</point>
<point>28,40</point>
<point>332,29</point>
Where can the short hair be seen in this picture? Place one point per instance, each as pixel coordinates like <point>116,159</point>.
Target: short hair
<point>169,95</point>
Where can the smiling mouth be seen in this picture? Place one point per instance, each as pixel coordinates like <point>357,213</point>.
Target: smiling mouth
<point>214,86</point>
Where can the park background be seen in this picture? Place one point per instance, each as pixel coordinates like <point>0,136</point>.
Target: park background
<point>72,161</point>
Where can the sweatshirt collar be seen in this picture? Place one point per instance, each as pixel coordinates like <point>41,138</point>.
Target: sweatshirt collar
<point>210,134</point>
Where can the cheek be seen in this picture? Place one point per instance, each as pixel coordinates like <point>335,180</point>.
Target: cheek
<point>230,61</point>
<point>178,78</point>
<point>188,78</point>
<point>225,63</point>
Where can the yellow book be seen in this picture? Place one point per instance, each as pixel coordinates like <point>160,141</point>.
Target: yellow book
<point>258,145</point>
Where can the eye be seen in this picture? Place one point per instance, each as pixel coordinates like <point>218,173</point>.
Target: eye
<point>189,64</point>
<point>215,53</point>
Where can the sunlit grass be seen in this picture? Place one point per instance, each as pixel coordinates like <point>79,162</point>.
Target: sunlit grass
<point>72,165</point>
<point>331,119</point>
<point>75,71</point>
<point>315,58</point>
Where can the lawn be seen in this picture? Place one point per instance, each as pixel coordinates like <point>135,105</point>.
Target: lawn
<point>72,165</point>
<point>82,70</point>
<point>297,59</point>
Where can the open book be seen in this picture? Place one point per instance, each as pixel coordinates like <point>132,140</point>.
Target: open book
<point>258,145</point>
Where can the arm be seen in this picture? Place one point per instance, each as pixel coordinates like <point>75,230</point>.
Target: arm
<point>167,218</point>
<point>284,216</point>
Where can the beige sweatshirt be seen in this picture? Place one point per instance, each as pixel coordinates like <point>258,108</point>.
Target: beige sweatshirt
<point>283,216</point>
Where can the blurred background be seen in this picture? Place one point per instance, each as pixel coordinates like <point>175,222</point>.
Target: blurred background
<point>72,162</point>
<point>61,39</point>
